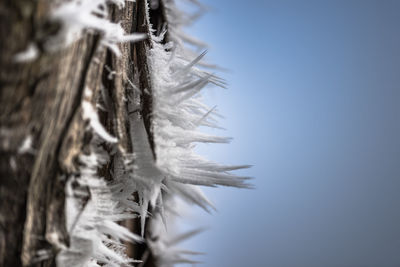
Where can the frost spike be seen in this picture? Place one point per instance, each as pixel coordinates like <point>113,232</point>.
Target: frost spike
<point>186,69</point>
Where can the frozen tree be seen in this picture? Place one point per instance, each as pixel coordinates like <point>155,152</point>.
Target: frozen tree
<point>100,109</point>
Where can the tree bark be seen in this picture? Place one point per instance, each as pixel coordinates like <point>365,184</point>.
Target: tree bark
<point>42,132</point>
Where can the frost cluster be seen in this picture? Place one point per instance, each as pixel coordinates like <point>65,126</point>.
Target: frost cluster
<point>146,183</point>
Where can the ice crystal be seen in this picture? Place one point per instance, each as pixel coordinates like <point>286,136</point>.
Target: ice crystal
<point>150,178</point>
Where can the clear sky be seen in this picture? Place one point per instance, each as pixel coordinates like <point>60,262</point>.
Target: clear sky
<point>313,104</point>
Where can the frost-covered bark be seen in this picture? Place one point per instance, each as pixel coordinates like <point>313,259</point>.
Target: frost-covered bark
<point>99,113</point>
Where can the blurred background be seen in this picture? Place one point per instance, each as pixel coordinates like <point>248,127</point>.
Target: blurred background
<point>313,104</point>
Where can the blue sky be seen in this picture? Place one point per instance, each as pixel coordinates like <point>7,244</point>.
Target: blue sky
<point>313,104</point>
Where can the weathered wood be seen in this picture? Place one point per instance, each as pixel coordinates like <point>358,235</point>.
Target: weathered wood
<point>68,84</point>
<point>40,104</point>
<point>38,101</point>
<point>118,80</point>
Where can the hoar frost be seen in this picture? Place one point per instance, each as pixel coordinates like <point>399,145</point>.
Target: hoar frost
<point>93,206</point>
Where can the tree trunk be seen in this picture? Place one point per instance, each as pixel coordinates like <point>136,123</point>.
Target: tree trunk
<point>85,106</point>
<point>42,131</point>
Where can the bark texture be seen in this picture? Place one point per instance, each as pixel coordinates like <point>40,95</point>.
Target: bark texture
<point>40,104</point>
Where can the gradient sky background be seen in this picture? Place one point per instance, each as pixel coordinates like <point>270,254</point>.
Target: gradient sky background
<point>313,104</point>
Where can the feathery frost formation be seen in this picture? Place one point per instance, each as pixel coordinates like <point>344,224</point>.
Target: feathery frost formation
<point>94,206</point>
<point>76,17</point>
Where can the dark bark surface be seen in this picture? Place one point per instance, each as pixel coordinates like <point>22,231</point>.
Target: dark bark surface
<point>41,101</point>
